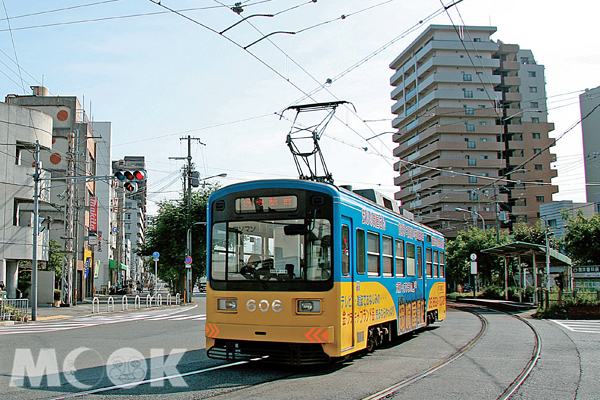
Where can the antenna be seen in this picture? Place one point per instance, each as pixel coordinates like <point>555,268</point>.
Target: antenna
<point>298,136</point>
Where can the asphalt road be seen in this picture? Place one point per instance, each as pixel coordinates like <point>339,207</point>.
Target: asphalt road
<point>112,351</point>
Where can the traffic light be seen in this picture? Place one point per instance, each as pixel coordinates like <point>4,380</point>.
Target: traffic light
<point>130,179</point>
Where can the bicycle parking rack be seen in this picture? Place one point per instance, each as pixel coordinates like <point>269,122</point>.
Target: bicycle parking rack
<point>158,301</point>
<point>110,303</point>
<point>168,300</point>
<point>137,302</point>
<point>96,303</point>
<point>177,299</point>
<point>148,301</point>
<point>124,305</point>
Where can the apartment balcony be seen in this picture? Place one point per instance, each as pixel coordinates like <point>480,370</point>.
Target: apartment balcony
<point>453,61</point>
<point>512,97</point>
<point>508,66</point>
<point>504,48</point>
<point>518,145</point>
<point>397,93</point>
<point>510,81</point>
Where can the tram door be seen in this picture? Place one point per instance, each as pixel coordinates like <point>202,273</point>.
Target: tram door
<point>422,275</point>
<point>347,286</point>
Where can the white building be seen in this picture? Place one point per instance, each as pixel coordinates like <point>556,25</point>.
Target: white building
<point>20,128</point>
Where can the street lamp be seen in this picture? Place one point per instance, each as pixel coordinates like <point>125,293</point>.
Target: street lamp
<point>474,213</point>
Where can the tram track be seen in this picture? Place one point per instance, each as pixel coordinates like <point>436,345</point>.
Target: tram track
<point>510,390</point>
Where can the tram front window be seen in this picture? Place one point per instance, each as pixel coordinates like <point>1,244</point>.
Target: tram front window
<point>271,255</point>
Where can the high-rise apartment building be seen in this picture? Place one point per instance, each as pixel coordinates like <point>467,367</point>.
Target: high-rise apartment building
<point>590,127</point>
<point>472,130</point>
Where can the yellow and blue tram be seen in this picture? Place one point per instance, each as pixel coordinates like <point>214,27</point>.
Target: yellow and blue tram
<point>301,272</point>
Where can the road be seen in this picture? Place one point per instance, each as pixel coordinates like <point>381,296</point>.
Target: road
<point>164,349</point>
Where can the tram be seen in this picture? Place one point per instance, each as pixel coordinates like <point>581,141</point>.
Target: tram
<point>302,272</point>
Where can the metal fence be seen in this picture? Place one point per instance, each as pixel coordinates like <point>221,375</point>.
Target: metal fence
<point>570,298</point>
<point>14,310</point>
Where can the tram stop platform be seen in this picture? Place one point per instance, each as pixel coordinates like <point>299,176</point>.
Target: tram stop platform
<point>502,305</point>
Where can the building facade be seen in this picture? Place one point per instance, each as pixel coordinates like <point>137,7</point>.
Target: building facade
<point>73,155</point>
<point>466,137</point>
<point>20,128</point>
<point>590,128</point>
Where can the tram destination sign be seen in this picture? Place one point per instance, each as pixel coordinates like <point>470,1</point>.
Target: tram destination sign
<point>265,204</point>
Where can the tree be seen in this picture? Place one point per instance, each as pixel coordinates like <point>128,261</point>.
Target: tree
<point>167,235</point>
<point>582,240</point>
<point>458,266</point>
<point>534,234</point>
<point>55,261</point>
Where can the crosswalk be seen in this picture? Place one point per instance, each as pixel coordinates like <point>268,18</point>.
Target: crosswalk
<point>101,319</point>
<point>582,326</point>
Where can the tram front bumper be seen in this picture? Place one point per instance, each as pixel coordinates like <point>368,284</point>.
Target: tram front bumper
<point>281,334</point>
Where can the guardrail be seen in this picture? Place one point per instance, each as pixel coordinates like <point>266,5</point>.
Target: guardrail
<point>14,310</point>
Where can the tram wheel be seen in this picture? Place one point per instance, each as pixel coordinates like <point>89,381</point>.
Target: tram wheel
<point>371,340</point>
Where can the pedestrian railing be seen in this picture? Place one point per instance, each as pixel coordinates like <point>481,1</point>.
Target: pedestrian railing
<point>110,303</point>
<point>14,310</point>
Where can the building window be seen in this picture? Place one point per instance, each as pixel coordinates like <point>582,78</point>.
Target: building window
<point>473,195</point>
<point>538,167</point>
<point>532,89</point>
<point>470,127</point>
<point>539,199</point>
<point>483,139</point>
<point>535,120</point>
<point>536,135</point>
<point>534,104</point>
<point>373,253</point>
<point>469,110</point>
<point>537,151</point>
<point>481,106</point>
<point>472,162</point>
<point>468,94</point>
<point>524,60</point>
<point>467,77</point>
<point>482,123</point>
<point>477,39</point>
<point>478,56</point>
<point>470,144</point>
<point>532,74</point>
<point>480,89</point>
<point>552,223</point>
<point>484,157</point>
<point>472,179</point>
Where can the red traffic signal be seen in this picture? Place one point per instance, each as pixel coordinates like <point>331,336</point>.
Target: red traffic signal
<point>139,175</point>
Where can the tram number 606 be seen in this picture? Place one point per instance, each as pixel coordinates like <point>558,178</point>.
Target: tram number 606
<point>264,305</point>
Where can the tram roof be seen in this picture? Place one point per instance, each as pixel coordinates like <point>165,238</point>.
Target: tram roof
<point>519,249</point>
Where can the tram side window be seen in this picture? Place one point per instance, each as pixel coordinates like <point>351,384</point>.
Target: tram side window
<point>373,253</point>
<point>345,250</point>
<point>410,259</point>
<point>436,265</point>
<point>360,251</point>
<point>387,251</point>
<point>419,262</point>
<point>400,257</point>
<point>441,264</point>
<point>428,262</point>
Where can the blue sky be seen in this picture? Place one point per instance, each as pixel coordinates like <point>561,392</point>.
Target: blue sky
<point>158,77</point>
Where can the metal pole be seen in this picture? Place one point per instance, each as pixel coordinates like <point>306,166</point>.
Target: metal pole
<point>505,278</point>
<point>188,235</point>
<point>156,275</point>
<point>34,277</point>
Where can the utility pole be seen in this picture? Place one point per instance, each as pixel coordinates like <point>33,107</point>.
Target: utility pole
<point>187,187</point>
<point>36,214</point>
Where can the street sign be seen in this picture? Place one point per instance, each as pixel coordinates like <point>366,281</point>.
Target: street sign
<point>114,230</point>
<point>188,260</point>
<point>474,267</point>
<point>473,257</point>
<point>155,255</point>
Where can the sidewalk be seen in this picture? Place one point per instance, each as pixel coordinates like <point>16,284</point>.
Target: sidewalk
<point>84,308</point>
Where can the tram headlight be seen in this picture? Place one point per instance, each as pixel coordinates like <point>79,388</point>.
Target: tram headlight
<point>309,306</point>
<point>227,305</point>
